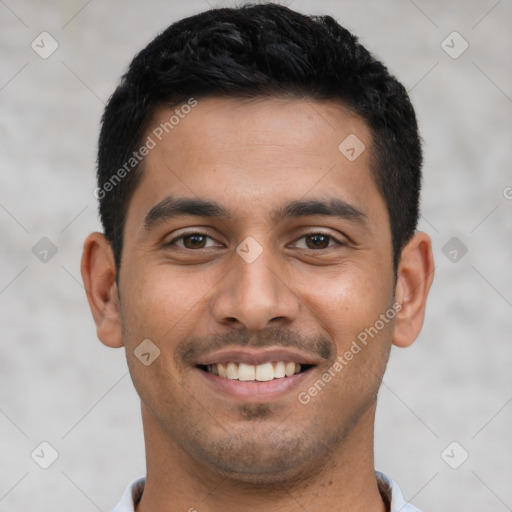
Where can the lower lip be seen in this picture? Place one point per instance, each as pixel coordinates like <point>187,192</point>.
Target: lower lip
<point>255,390</point>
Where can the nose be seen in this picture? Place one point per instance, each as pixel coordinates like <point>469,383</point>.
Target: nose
<point>256,294</point>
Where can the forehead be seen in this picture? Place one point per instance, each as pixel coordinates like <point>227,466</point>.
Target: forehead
<point>266,124</point>
<point>257,154</point>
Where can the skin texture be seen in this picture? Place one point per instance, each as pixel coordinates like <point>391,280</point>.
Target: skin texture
<point>191,296</point>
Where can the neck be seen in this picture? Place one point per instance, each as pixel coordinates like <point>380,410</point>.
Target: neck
<point>345,481</point>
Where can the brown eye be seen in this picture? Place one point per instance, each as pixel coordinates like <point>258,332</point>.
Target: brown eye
<point>191,241</point>
<point>317,241</point>
<point>194,241</point>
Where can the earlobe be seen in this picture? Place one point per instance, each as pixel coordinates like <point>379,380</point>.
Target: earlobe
<point>99,277</point>
<point>414,279</point>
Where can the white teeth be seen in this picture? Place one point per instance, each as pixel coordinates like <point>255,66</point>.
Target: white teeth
<point>290,369</point>
<point>280,370</point>
<point>222,370</point>
<point>264,372</point>
<point>232,371</point>
<point>249,372</point>
<point>246,371</point>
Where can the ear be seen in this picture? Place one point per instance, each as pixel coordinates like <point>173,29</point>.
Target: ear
<point>414,278</point>
<point>99,277</point>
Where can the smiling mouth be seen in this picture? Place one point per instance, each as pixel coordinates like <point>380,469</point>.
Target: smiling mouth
<point>258,373</point>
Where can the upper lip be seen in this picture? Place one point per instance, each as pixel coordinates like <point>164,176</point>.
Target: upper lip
<point>256,356</point>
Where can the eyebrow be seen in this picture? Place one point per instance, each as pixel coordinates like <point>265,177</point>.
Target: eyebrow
<point>170,208</point>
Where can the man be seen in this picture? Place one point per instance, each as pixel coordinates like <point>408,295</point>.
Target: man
<point>258,177</point>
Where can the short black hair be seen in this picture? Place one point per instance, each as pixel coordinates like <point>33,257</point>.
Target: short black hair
<point>260,50</point>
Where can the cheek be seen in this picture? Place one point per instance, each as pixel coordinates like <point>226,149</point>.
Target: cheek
<point>159,308</point>
<point>160,304</point>
<point>350,312</point>
<point>348,303</point>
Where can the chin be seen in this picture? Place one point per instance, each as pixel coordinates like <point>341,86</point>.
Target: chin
<point>259,461</point>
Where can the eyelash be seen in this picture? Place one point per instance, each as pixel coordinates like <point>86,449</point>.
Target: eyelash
<point>330,237</point>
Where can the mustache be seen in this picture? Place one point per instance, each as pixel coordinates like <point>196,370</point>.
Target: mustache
<point>189,350</point>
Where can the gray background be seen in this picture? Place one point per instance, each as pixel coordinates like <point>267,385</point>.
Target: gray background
<point>61,385</point>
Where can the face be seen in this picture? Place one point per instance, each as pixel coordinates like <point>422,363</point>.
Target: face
<point>254,247</point>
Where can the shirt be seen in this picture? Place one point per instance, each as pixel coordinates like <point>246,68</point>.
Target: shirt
<point>388,488</point>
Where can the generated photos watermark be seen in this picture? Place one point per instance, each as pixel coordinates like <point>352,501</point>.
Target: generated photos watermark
<point>150,143</point>
<point>342,360</point>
